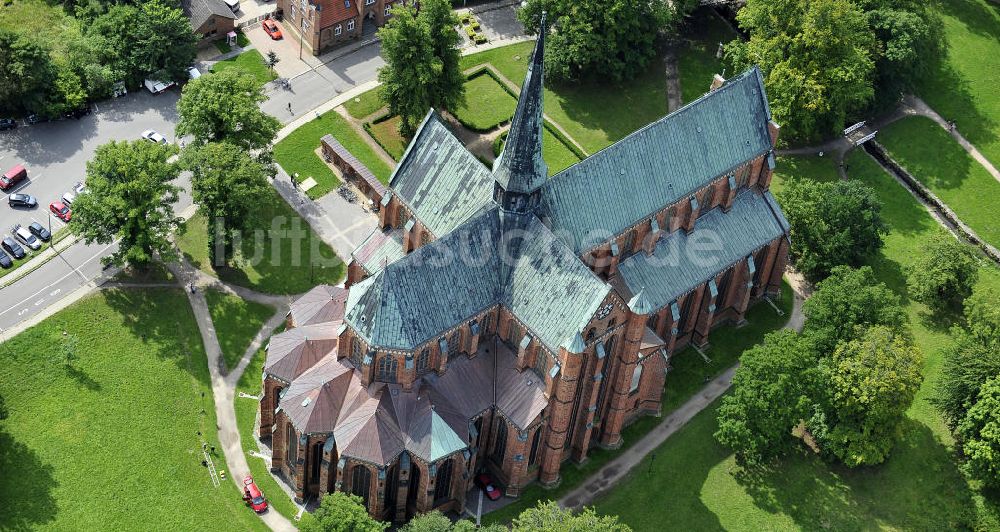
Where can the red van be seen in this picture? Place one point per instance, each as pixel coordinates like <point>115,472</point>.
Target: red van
<point>13,176</point>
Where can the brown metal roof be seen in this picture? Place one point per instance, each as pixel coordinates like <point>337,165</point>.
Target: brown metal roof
<point>324,303</point>
<point>291,353</point>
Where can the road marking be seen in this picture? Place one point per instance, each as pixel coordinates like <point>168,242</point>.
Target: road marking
<point>52,284</point>
<point>54,292</point>
<point>40,301</point>
<point>22,312</point>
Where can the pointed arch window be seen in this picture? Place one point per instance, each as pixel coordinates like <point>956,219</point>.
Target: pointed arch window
<point>423,361</point>
<point>533,455</point>
<point>636,378</point>
<point>442,483</point>
<point>361,482</point>
<point>387,369</point>
<point>500,443</point>
<point>292,453</point>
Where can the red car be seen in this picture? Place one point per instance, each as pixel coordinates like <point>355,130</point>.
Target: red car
<point>271,28</point>
<point>253,496</point>
<point>61,211</point>
<point>486,483</point>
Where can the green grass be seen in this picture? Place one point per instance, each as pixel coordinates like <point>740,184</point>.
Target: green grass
<point>365,104</point>
<point>556,154</point>
<point>111,441</point>
<point>806,166</point>
<point>695,484</point>
<point>250,62</point>
<point>46,23</point>
<point>296,153</point>
<point>285,257</point>
<point>236,322</point>
<point>929,153</point>
<point>696,60</point>
<point>155,272</point>
<point>487,104</point>
<point>965,87</point>
<point>386,133</point>
<point>246,415</point>
<point>684,380</point>
<point>596,113</point>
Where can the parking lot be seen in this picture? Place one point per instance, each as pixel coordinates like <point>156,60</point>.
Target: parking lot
<point>56,153</point>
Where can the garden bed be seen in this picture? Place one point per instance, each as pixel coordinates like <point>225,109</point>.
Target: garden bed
<point>487,103</point>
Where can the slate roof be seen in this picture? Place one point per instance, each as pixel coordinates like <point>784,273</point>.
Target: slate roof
<point>322,304</point>
<point>674,268</point>
<point>614,188</point>
<point>199,11</point>
<point>441,182</point>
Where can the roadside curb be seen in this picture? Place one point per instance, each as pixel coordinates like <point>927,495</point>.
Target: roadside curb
<point>37,261</point>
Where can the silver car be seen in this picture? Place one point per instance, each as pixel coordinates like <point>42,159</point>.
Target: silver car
<point>24,236</point>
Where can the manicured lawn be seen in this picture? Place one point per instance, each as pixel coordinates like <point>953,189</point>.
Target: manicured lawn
<point>487,104</point>
<point>684,380</point>
<point>241,40</point>
<point>965,88</point>
<point>805,166</point>
<point>236,322</point>
<point>932,156</point>
<point>246,415</point>
<point>250,62</point>
<point>364,105</point>
<point>556,154</point>
<point>696,60</point>
<point>296,153</point>
<point>386,133</point>
<point>284,257</point>
<point>112,441</point>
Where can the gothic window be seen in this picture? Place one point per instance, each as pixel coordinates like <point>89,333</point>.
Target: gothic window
<point>317,458</point>
<point>292,453</point>
<point>685,312</point>
<point>758,261</point>
<point>453,343</point>
<point>541,363</point>
<point>534,446</point>
<point>608,346</point>
<point>423,361</point>
<point>629,242</point>
<point>361,481</point>
<point>387,369</point>
<point>442,483</point>
<point>513,334</point>
<point>720,299</point>
<point>391,489</point>
<point>356,351</point>
<point>636,377</point>
<point>654,320</point>
<point>479,430</point>
<point>500,443</point>
<point>404,215</point>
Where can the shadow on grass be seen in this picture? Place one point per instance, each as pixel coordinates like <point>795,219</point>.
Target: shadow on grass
<point>82,378</point>
<point>26,485</point>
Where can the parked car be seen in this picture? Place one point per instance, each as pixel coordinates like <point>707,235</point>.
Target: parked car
<point>61,211</point>
<point>79,188</point>
<point>69,197</point>
<point>42,233</point>
<point>12,177</point>
<point>5,261</point>
<point>194,73</point>
<point>485,482</point>
<point>7,123</point>
<point>153,136</point>
<point>156,86</point>
<point>24,236</point>
<point>253,496</point>
<point>12,247</point>
<point>272,29</point>
<point>22,200</point>
<point>36,118</point>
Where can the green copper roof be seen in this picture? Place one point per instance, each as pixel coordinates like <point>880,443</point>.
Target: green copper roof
<point>613,189</point>
<point>379,249</point>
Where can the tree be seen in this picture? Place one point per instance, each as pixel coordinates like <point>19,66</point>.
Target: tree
<point>27,74</point>
<point>943,274</point>
<point>229,186</point>
<point>271,59</point>
<point>816,56</point>
<point>772,392</point>
<point>600,38</point>
<point>130,200</point>
<point>979,433</point>
<point>831,224</point>
<point>435,521</point>
<point>422,69</point>
<point>341,512</point>
<point>971,359</point>
<point>846,302</point>
<point>872,382</point>
<point>549,517</point>
<point>224,107</point>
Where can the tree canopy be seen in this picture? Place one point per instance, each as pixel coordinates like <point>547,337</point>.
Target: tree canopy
<point>224,106</point>
<point>943,274</point>
<point>130,199</point>
<point>972,358</point>
<point>547,516</point>
<point>435,521</point>
<point>832,224</point>
<point>979,433</point>
<point>340,512</point>
<point>28,73</point>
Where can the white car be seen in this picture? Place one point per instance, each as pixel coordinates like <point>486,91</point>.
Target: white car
<point>69,197</point>
<point>194,73</point>
<point>153,136</point>
<point>26,238</point>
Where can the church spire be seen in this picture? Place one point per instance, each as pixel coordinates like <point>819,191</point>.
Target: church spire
<point>520,169</point>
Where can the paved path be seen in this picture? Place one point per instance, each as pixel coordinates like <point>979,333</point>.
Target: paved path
<point>608,476</point>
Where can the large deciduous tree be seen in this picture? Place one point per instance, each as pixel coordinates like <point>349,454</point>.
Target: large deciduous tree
<point>435,521</point>
<point>548,516</point>
<point>832,224</point>
<point>847,300</point>
<point>130,200</point>
<point>27,73</point>
<point>341,512</point>
<point>972,357</point>
<point>817,59</point>
<point>224,107</point>
<point>600,38</point>
<point>229,187</point>
<point>979,434</point>
<point>943,274</point>
<point>422,71</point>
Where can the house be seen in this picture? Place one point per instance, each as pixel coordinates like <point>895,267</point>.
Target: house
<point>502,320</point>
<point>210,19</point>
<point>324,24</point>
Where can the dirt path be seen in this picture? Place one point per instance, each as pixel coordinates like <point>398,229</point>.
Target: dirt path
<point>674,100</point>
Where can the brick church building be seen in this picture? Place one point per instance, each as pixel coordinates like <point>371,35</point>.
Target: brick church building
<point>506,321</point>
<point>325,24</point>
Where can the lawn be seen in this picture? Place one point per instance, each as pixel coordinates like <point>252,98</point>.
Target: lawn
<point>386,133</point>
<point>112,440</point>
<point>965,87</point>
<point>487,104</point>
<point>246,416</point>
<point>285,257</point>
<point>696,57</point>
<point>806,166</point>
<point>296,153</point>
<point>364,105</point>
<point>250,62</point>
<point>695,484</point>
<point>684,380</point>
<point>557,155</point>
<point>928,152</point>
<point>236,322</point>
<point>241,40</point>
